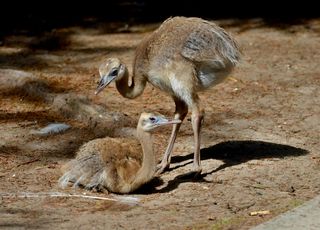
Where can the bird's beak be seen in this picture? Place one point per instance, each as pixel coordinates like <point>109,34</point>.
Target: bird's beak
<point>163,121</point>
<point>104,81</point>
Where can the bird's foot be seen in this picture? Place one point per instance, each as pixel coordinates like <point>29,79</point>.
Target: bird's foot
<point>161,168</point>
<point>193,175</point>
<point>196,171</point>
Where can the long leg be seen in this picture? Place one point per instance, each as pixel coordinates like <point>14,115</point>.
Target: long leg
<point>180,113</point>
<point>197,118</point>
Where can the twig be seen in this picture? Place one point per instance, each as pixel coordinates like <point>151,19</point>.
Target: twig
<point>28,162</point>
<point>260,213</point>
<point>124,199</point>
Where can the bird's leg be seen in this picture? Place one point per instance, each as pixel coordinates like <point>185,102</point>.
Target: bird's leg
<point>180,113</point>
<point>197,118</point>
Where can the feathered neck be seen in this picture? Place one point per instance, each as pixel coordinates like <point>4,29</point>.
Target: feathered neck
<point>131,86</point>
<point>148,167</point>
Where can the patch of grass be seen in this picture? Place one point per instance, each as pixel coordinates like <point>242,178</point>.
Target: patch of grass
<point>226,223</point>
<point>293,204</point>
<point>220,224</point>
<point>290,205</point>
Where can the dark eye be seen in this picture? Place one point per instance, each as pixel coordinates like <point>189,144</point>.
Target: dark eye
<point>114,72</point>
<point>152,119</point>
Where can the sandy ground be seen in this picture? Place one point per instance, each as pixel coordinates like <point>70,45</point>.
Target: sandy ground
<point>260,138</point>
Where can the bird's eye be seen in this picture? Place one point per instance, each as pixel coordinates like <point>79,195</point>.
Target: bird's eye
<point>114,72</point>
<point>153,119</point>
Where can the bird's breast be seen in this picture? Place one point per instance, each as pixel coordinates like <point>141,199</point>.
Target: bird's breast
<point>159,79</point>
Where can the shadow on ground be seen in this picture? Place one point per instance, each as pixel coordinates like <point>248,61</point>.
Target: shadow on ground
<point>231,153</point>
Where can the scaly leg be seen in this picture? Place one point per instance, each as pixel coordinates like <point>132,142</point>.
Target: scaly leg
<point>197,118</point>
<point>180,113</point>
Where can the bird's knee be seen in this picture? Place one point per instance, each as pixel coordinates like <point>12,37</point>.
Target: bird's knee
<point>198,116</point>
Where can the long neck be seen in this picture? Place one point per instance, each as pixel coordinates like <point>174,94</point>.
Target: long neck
<point>135,89</point>
<point>148,167</point>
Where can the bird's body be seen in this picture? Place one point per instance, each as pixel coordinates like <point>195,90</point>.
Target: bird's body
<point>186,54</point>
<point>117,158</point>
<point>182,57</point>
<point>119,165</point>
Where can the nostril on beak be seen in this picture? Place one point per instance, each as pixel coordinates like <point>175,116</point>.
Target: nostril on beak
<point>100,82</point>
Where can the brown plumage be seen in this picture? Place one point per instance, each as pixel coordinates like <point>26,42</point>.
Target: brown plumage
<point>182,57</point>
<point>119,165</point>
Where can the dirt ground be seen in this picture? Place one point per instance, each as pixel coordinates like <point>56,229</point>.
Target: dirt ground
<point>260,138</point>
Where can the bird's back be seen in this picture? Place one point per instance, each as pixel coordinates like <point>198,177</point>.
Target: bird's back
<point>182,42</point>
<point>107,162</point>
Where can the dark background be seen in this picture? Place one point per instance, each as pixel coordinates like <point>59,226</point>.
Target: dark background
<point>36,16</point>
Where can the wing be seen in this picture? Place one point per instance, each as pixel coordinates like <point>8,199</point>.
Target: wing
<point>86,171</point>
<point>209,44</point>
<point>101,158</point>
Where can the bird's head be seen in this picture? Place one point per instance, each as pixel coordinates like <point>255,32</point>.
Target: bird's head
<point>109,71</point>
<point>150,121</point>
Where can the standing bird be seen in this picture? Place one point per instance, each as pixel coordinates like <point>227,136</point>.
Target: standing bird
<point>182,57</point>
<point>119,165</point>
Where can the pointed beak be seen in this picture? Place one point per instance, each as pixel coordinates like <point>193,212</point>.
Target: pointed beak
<point>104,81</point>
<point>163,121</point>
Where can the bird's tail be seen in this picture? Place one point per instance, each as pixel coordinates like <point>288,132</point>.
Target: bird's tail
<point>87,171</point>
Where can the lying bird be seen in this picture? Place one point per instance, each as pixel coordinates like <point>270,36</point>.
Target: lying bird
<point>119,165</point>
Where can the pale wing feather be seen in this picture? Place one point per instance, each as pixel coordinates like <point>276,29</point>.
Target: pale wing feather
<point>210,44</point>
<point>101,159</point>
